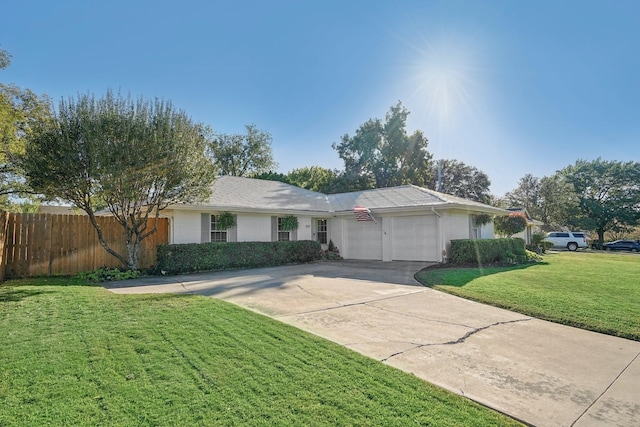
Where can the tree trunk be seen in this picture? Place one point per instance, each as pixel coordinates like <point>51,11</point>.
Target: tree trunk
<point>133,242</point>
<point>132,254</point>
<point>600,237</point>
<point>103,243</point>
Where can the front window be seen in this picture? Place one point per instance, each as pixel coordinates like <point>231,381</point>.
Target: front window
<point>217,235</point>
<point>283,235</point>
<point>322,231</point>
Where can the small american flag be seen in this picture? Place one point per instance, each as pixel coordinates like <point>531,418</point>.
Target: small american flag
<point>363,214</point>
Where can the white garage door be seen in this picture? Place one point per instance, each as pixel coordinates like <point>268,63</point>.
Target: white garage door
<point>414,238</point>
<point>363,239</point>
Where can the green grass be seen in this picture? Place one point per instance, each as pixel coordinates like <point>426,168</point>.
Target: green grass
<point>594,291</point>
<point>75,354</point>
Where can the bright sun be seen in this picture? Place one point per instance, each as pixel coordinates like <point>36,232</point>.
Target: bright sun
<point>444,78</point>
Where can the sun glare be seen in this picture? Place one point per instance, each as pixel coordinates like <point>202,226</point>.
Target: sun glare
<point>444,77</point>
<point>443,81</point>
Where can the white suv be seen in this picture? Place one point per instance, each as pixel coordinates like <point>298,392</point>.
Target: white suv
<point>571,240</point>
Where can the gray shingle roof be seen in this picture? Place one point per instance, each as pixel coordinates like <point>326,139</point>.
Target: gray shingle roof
<point>257,194</point>
<point>406,196</point>
<point>381,198</point>
<point>236,193</point>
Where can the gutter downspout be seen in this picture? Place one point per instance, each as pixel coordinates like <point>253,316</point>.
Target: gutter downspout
<point>442,251</point>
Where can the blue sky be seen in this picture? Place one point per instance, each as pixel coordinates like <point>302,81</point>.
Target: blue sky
<point>510,87</point>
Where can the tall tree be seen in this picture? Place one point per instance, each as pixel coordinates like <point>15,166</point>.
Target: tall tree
<point>242,155</point>
<point>551,200</point>
<point>384,155</point>
<point>462,180</point>
<point>271,176</point>
<point>557,202</point>
<point>5,59</point>
<point>314,178</point>
<point>20,111</point>
<point>608,194</point>
<point>525,195</point>
<point>134,156</point>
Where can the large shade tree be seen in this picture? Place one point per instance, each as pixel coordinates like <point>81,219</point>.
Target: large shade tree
<point>132,156</point>
<point>384,154</point>
<point>525,195</point>
<point>550,199</point>
<point>556,202</point>
<point>314,178</point>
<point>607,192</point>
<point>242,154</point>
<point>20,110</point>
<point>462,180</point>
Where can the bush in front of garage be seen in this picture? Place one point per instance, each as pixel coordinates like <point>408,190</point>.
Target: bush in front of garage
<point>488,251</point>
<point>194,257</point>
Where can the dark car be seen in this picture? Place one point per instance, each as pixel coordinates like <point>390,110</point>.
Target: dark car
<point>623,245</point>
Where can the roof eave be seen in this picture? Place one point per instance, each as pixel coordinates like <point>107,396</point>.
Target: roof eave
<point>437,206</point>
<point>244,209</point>
<point>477,208</point>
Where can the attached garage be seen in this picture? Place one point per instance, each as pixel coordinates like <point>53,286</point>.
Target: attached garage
<point>414,238</point>
<point>407,238</point>
<point>363,239</point>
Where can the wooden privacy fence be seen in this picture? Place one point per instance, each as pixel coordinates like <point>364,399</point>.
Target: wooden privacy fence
<point>49,244</point>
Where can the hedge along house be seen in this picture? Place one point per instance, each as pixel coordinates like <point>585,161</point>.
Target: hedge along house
<point>399,223</point>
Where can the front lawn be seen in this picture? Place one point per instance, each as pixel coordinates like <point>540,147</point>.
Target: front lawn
<point>595,291</point>
<point>75,354</point>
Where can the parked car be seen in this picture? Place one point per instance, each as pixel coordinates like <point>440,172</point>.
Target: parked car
<point>623,245</point>
<point>571,240</point>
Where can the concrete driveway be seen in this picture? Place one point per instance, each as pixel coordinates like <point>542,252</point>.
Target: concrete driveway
<point>539,372</point>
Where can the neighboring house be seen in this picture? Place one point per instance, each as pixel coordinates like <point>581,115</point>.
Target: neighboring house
<point>400,223</point>
<point>533,225</point>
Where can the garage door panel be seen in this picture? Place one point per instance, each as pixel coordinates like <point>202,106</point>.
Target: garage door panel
<point>414,238</point>
<point>363,240</point>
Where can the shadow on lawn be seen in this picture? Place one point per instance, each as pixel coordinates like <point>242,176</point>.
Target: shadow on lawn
<point>17,295</point>
<point>47,281</point>
<point>460,275</point>
<point>15,290</point>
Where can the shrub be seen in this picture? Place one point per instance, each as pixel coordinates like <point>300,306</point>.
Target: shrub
<point>533,256</point>
<point>511,224</point>
<point>108,274</point>
<point>487,251</point>
<point>193,257</point>
<point>538,243</point>
<point>331,255</point>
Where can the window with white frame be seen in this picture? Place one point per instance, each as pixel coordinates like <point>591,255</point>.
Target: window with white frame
<point>321,233</point>
<point>217,235</point>
<point>283,235</point>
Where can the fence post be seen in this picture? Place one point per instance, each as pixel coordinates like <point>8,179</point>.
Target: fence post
<point>4,219</point>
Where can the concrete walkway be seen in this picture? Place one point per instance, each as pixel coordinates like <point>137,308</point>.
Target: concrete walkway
<point>539,372</point>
